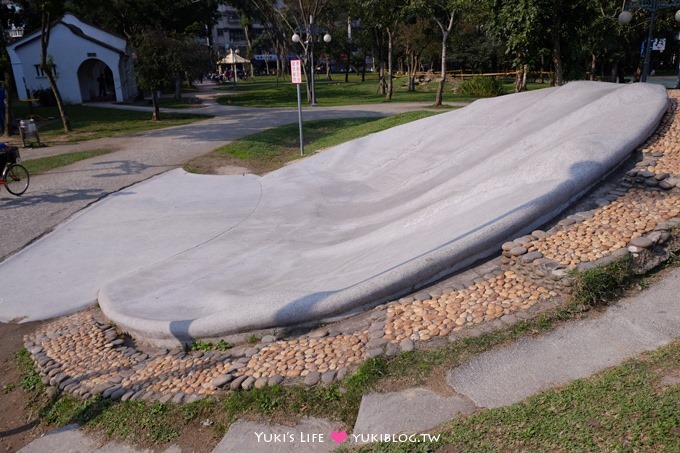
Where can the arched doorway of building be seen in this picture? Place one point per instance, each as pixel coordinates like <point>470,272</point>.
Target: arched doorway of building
<point>96,81</point>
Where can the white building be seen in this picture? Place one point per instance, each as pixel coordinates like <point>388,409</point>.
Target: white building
<point>90,64</point>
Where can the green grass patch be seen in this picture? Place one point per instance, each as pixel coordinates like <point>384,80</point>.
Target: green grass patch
<point>92,122</point>
<point>30,379</point>
<point>625,408</point>
<point>43,164</point>
<point>208,346</point>
<point>328,94</point>
<point>602,285</point>
<point>339,401</point>
<point>272,92</point>
<point>273,148</point>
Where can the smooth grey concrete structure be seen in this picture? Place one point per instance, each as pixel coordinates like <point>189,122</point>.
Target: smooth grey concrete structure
<point>350,227</point>
<point>380,216</point>
<point>70,439</point>
<point>409,411</point>
<point>310,434</point>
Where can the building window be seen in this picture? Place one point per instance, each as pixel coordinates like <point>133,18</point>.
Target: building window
<point>237,35</point>
<point>39,73</point>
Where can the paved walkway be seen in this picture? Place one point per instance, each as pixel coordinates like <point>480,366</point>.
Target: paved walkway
<point>57,195</point>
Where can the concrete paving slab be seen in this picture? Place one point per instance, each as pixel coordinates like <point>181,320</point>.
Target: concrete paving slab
<point>71,439</point>
<point>131,229</point>
<point>311,434</point>
<point>579,349</point>
<point>67,439</point>
<point>410,411</point>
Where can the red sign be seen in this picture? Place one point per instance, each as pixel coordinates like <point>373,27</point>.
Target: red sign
<point>295,72</point>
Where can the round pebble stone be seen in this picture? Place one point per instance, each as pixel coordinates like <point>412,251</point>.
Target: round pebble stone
<point>261,383</point>
<point>517,251</point>
<point>275,380</point>
<point>247,383</point>
<point>406,345</point>
<point>641,242</point>
<point>312,378</point>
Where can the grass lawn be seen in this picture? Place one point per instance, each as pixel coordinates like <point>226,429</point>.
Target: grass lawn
<point>272,92</point>
<point>43,164</point>
<point>631,407</point>
<point>92,122</point>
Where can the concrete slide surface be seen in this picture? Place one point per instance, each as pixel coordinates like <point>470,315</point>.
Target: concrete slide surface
<point>184,256</point>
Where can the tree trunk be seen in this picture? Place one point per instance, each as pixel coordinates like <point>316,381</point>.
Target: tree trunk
<point>178,87</point>
<point>557,51</point>
<point>442,80</point>
<point>411,67</point>
<point>593,65</point>
<point>445,37</point>
<point>7,123</point>
<point>156,113</point>
<point>390,85</point>
<point>60,103</point>
<point>328,69</point>
<point>382,85</point>
<point>521,78</point>
<point>49,70</point>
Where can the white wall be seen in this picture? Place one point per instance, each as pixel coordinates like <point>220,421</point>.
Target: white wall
<point>69,51</point>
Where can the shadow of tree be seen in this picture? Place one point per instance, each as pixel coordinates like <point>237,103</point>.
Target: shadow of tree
<point>121,167</point>
<point>65,196</point>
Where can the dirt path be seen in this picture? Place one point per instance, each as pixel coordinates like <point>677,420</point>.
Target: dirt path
<point>18,425</point>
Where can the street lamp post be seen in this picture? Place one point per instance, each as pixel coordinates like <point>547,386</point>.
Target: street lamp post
<point>308,46</point>
<point>652,6</point>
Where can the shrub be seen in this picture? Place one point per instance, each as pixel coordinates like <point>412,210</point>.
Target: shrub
<point>601,285</point>
<point>482,86</point>
<point>45,97</point>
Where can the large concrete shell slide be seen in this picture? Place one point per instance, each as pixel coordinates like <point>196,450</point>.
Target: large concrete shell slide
<point>183,256</point>
<point>377,217</point>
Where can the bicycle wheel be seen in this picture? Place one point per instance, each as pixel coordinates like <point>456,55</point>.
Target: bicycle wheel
<point>16,179</point>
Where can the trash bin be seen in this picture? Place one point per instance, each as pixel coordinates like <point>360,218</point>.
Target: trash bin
<point>29,130</point>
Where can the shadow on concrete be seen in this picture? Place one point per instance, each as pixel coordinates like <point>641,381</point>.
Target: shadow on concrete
<point>449,258</point>
<point>122,167</point>
<point>65,196</point>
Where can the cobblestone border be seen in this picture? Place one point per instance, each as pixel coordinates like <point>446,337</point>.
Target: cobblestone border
<point>638,216</point>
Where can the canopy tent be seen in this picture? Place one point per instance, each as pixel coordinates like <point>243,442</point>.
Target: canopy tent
<point>232,58</point>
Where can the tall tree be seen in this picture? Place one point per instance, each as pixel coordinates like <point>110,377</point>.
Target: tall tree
<point>383,19</point>
<point>47,11</point>
<point>277,29</point>
<point>445,13</point>
<point>8,18</point>
<point>517,24</point>
<point>416,36</point>
<point>150,25</point>
<point>302,17</point>
<point>155,58</point>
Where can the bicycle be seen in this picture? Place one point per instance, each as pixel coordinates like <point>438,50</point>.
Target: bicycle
<point>15,176</point>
